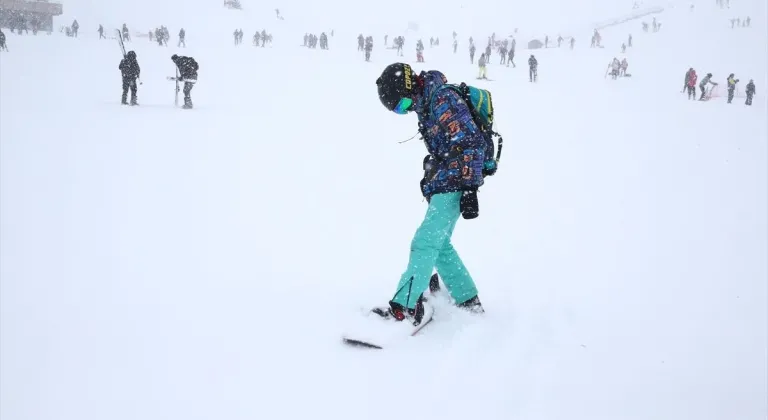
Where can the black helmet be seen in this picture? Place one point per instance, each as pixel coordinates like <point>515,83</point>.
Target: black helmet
<point>131,54</point>
<point>395,83</point>
<point>174,57</point>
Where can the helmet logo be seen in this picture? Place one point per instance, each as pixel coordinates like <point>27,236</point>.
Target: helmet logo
<point>408,81</point>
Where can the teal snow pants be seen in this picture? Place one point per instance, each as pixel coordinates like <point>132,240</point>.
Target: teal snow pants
<point>431,248</point>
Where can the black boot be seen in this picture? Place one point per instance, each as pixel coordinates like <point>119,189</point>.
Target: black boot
<point>472,305</point>
<point>398,312</point>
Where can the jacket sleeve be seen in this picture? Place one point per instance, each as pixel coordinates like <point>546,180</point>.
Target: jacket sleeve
<point>466,144</point>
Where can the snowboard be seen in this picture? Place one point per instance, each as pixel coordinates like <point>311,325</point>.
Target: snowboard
<point>377,333</point>
<point>372,332</point>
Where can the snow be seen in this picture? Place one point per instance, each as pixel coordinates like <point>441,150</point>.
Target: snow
<point>157,263</point>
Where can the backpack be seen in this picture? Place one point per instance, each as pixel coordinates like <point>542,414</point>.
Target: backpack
<point>480,106</point>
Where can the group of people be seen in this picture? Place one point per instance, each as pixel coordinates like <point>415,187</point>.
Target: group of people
<point>131,73</point>
<point>706,92</point>
<point>311,41</point>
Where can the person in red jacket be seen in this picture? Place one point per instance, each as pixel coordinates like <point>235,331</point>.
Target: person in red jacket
<point>691,84</point>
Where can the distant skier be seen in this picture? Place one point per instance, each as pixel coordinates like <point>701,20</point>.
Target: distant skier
<point>360,42</point>
<point>533,69</point>
<point>460,157</point>
<point>732,81</point>
<point>511,58</point>
<point>614,68</point>
<point>623,48</point>
<point>101,32</point>
<point>472,53</point>
<point>629,41</point>
<point>126,33</point>
<point>188,74</point>
<point>750,92</point>
<point>483,74</point>
<point>690,83</point>
<point>182,35</point>
<point>3,45</point>
<point>131,71</point>
<point>455,46</point>
<point>559,40</point>
<point>420,51</point>
<point>368,47</point>
<point>75,28</point>
<point>573,42</point>
<point>703,85</point>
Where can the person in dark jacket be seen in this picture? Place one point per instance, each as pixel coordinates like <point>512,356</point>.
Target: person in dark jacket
<point>750,92</point>
<point>533,65</point>
<point>459,158</point>
<point>188,74</point>
<point>131,71</point>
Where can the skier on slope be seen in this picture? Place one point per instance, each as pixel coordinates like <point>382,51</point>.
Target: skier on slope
<point>690,81</point>
<point>460,156</point>
<point>732,81</point>
<point>533,69</point>
<point>131,71</point>
<point>703,85</point>
<point>483,73</point>
<point>188,74</point>
<point>750,92</point>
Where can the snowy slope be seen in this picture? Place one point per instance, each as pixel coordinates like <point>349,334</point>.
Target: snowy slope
<point>157,263</point>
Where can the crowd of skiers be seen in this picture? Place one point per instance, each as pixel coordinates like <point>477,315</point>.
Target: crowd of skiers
<point>706,91</point>
<point>743,23</point>
<point>312,40</point>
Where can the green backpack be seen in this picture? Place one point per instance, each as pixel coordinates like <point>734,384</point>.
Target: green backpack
<point>481,107</point>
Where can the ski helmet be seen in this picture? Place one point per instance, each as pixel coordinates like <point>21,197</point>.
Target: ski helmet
<point>395,83</point>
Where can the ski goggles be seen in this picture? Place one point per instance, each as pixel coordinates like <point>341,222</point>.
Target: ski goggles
<point>403,106</point>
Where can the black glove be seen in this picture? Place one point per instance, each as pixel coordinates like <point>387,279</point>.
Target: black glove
<point>468,205</point>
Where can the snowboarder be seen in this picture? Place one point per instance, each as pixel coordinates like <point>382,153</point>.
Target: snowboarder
<point>483,74</point>
<point>131,71</point>
<point>533,72</point>
<point>188,74</point>
<point>459,159</point>
<point>750,92</point>
<point>732,81</point>
<point>690,81</point>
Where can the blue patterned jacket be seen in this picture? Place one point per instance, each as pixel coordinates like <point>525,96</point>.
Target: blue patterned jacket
<point>456,147</point>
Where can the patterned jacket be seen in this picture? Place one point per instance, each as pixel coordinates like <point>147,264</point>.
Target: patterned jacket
<point>456,147</point>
